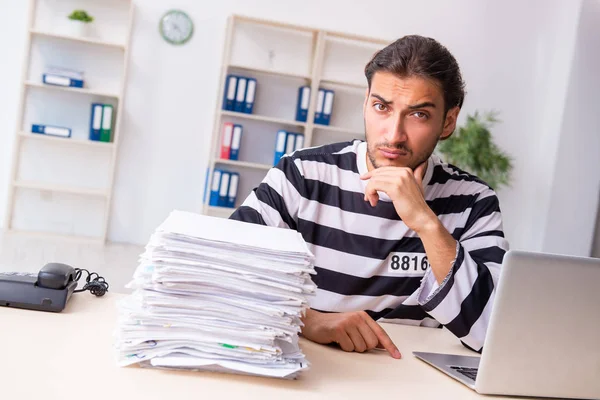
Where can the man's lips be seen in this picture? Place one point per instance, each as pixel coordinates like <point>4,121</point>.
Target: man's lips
<point>392,153</point>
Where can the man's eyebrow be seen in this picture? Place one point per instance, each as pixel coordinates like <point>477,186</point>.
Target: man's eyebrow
<point>425,104</point>
<point>384,101</point>
<point>422,105</point>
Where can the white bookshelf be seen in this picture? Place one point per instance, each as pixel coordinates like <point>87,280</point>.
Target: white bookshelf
<point>82,91</point>
<point>66,142</point>
<point>345,85</point>
<point>222,212</point>
<point>63,186</point>
<point>337,129</point>
<point>270,71</point>
<point>283,57</point>
<point>243,164</point>
<point>98,42</point>
<point>263,118</point>
<point>47,187</point>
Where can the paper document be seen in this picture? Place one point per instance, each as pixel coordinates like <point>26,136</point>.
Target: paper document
<point>212,294</point>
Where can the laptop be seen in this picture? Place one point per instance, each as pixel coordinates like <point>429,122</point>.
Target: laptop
<point>543,337</point>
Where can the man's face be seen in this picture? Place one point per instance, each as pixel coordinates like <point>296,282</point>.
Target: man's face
<point>404,120</point>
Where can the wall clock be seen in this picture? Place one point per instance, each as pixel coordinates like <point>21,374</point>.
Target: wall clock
<point>176,27</point>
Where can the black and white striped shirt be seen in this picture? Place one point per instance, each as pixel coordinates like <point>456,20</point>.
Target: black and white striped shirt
<point>366,258</point>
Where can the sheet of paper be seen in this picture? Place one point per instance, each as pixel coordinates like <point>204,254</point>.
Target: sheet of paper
<point>235,233</point>
<point>212,365</point>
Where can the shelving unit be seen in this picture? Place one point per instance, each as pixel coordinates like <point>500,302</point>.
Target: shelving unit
<point>270,71</point>
<point>243,164</point>
<point>337,129</point>
<point>63,141</point>
<point>63,186</point>
<point>77,39</point>
<point>60,189</point>
<point>222,212</point>
<point>262,118</point>
<point>344,85</point>
<point>282,58</point>
<point>84,91</point>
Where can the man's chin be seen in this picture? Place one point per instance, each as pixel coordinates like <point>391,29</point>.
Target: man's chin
<point>386,162</point>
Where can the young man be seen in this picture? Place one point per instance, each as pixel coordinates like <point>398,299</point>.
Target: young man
<point>398,235</point>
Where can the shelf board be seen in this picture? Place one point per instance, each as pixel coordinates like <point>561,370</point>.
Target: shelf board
<point>54,235</point>
<point>67,141</point>
<point>270,72</point>
<point>338,129</point>
<point>262,118</point>
<point>223,212</point>
<point>264,23</point>
<point>344,85</point>
<point>60,189</point>
<point>242,164</point>
<point>78,39</point>
<point>361,42</point>
<point>70,89</point>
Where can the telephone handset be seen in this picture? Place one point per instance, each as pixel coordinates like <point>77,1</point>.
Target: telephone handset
<point>49,290</point>
<point>55,276</point>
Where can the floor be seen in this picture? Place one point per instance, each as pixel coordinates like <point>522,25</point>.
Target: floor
<point>28,253</point>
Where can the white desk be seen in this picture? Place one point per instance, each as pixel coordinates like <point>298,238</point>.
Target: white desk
<point>70,355</point>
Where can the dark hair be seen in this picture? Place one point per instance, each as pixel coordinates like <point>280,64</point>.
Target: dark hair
<point>423,57</point>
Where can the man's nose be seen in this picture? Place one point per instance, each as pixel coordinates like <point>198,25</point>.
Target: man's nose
<point>396,131</point>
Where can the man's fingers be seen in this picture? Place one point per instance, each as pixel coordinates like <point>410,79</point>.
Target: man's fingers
<point>379,185</point>
<point>393,172</point>
<point>376,185</point>
<point>397,176</point>
<point>345,342</point>
<point>385,171</point>
<point>368,335</point>
<point>371,195</point>
<point>373,199</point>
<point>357,339</point>
<point>382,336</point>
<point>420,173</point>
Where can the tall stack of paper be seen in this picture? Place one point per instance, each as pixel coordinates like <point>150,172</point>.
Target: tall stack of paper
<point>219,295</point>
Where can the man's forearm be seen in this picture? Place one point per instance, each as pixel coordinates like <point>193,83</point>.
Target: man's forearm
<point>440,247</point>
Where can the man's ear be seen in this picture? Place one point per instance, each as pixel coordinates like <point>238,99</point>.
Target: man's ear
<point>366,100</point>
<point>450,123</point>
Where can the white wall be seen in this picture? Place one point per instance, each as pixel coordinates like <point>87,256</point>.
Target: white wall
<point>515,56</point>
<point>522,70</point>
<point>12,46</point>
<point>571,217</point>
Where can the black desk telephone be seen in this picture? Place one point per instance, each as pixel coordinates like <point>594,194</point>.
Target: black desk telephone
<point>49,290</point>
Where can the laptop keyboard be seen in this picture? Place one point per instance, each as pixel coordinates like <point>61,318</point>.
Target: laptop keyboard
<point>468,372</point>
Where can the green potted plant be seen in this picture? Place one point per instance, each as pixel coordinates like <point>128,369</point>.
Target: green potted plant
<point>78,23</point>
<point>471,148</point>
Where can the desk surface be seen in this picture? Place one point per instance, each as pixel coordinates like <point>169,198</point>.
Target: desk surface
<point>70,353</point>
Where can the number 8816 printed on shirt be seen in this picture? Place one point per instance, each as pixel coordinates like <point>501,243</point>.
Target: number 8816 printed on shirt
<point>407,264</point>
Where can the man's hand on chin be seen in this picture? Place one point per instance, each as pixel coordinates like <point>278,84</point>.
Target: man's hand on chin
<point>353,331</point>
<point>405,188</point>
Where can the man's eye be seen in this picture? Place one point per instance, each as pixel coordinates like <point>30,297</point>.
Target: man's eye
<point>379,107</point>
<point>420,115</point>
